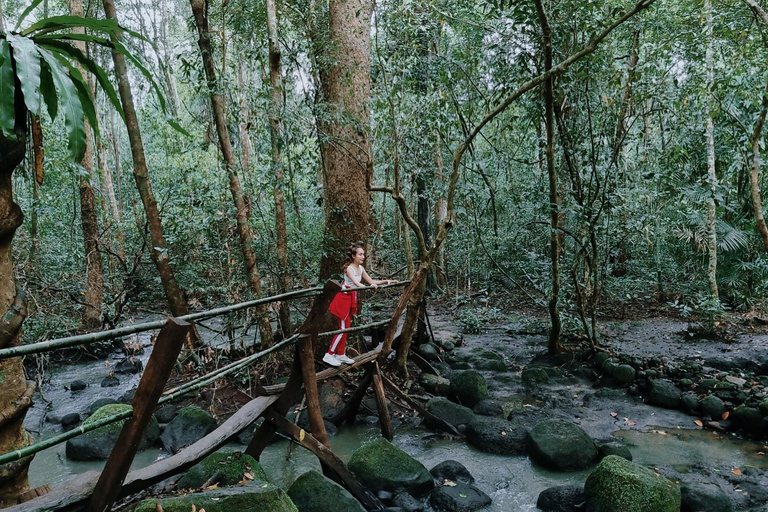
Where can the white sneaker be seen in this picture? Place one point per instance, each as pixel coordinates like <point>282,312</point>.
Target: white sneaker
<point>344,359</point>
<point>331,360</point>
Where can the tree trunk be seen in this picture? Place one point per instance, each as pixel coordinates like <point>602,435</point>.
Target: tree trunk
<point>220,119</point>
<point>348,157</point>
<point>94,277</point>
<point>245,138</point>
<point>158,251</point>
<point>754,176</point>
<point>13,310</point>
<point>276,138</point>
<point>711,175</point>
<point>113,211</point>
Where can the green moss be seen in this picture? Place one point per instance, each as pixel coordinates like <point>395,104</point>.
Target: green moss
<point>194,412</point>
<point>379,465</point>
<point>105,412</point>
<point>618,484</point>
<point>3,377</point>
<point>312,492</point>
<point>231,468</point>
<point>251,497</point>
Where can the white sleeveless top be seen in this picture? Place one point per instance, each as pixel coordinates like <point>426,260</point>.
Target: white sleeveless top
<point>358,275</point>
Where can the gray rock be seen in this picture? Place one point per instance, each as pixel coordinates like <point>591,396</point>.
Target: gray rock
<point>97,444</point>
<point>110,381</point>
<point>166,413</point>
<point>459,498</point>
<point>448,411</point>
<point>435,384</point>
<point>250,496</point>
<point>701,497</point>
<point>98,404</point>
<point>379,465</point>
<point>70,420</point>
<point>537,375</point>
<point>407,502</point>
<point>312,492</point>
<point>451,470</point>
<point>561,446</point>
<point>664,393</point>
<point>614,448</point>
<point>712,406</point>
<point>77,385</point>
<point>564,498</point>
<point>331,394</point>
<point>496,435</point>
<point>469,386</point>
<point>623,373</point>
<point>129,365</point>
<point>428,351</point>
<point>488,407</point>
<point>190,424</point>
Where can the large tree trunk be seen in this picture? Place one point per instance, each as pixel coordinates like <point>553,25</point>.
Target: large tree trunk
<point>94,277</point>
<point>711,175</point>
<point>754,176</point>
<point>158,250</point>
<point>220,119</point>
<point>348,157</point>
<point>112,209</point>
<point>276,137</point>
<point>13,310</point>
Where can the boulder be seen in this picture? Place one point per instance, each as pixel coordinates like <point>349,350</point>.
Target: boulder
<point>110,381</point>
<point>98,404</point>
<point>614,448</point>
<point>428,351</point>
<point>166,413</point>
<point>664,393</point>
<point>77,385</point>
<point>227,468</point>
<point>70,420</point>
<point>97,444</point>
<point>564,498</point>
<point>747,418</point>
<point>435,383</point>
<point>250,497</point>
<point>713,407</point>
<point>458,498</point>
<point>496,435</point>
<point>624,373</point>
<point>537,375</point>
<point>446,410</point>
<point>190,424</point>
<point>129,365</point>
<point>380,466</point>
<point>312,492</point>
<point>331,395</point>
<point>561,446</point>
<point>488,360</point>
<point>407,502</point>
<point>618,484</point>
<point>763,406</point>
<point>451,470</point>
<point>469,387</point>
<point>702,497</point>
<point>488,407</point>
<point>690,403</point>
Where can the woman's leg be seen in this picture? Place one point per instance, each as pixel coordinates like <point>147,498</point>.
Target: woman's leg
<point>339,342</point>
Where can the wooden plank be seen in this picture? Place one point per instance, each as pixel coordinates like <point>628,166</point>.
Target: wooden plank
<point>381,402</point>
<point>328,458</point>
<point>420,408</point>
<point>74,494</point>
<point>159,367</point>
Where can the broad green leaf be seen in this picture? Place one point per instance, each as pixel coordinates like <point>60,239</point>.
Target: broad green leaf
<point>89,64</point>
<point>7,92</point>
<point>74,119</point>
<point>26,12</point>
<point>48,90</point>
<point>83,92</point>
<point>27,70</point>
<point>65,22</point>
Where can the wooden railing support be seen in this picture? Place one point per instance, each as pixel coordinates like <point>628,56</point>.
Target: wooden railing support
<point>381,402</point>
<point>161,363</point>
<point>349,412</point>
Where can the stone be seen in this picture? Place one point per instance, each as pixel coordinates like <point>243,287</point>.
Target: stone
<point>561,446</point>
<point>496,435</point>
<point>763,406</point>
<point>712,406</point>
<point>231,468</point>
<point>97,444</point>
<point>407,502</point>
<point>331,395</point>
<point>690,403</point>
<point>128,396</point>
<point>190,424</point>
<point>428,351</point>
<point>664,393</point>
<point>600,358</point>
<point>451,470</point>
<point>448,411</point>
<point>537,375</point>
<point>129,365</point>
<point>250,497</point>
<point>614,448</point>
<point>312,492</point>
<point>469,387</point>
<point>488,407</point>
<point>624,374</point>
<point>166,413</point>
<point>563,498</point>
<point>379,465</point>
<point>110,381</point>
<point>618,484</point>
<point>747,418</point>
<point>738,381</point>
<point>458,498</point>
<point>703,497</point>
<point>77,385</point>
<point>435,383</point>
<point>70,420</point>
<point>98,404</point>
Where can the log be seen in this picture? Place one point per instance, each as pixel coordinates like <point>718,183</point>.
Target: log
<point>308,375</point>
<point>381,403</point>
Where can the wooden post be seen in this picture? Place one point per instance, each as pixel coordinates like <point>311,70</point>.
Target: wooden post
<point>161,362</point>
<point>381,401</point>
<point>292,389</point>
<point>349,411</point>
<point>307,356</point>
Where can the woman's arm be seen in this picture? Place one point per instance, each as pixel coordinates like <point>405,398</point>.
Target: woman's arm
<point>376,282</point>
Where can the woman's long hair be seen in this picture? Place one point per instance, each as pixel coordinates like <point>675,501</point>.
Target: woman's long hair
<point>350,256</point>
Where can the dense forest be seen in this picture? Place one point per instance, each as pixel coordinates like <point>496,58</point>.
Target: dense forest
<point>586,158</point>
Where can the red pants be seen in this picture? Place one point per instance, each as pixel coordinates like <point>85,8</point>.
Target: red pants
<point>339,342</point>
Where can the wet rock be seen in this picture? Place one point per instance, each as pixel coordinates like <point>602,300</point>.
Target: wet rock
<point>77,385</point>
<point>315,493</point>
<point>712,406</point>
<point>488,407</point>
<point>600,358</point>
<point>435,384</point>
<point>690,403</point>
<point>664,393</point>
<point>488,360</point>
<point>128,396</point>
<point>190,424</point>
<point>98,404</point>
<point>496,435</point>
<point>446,410</point>
<point>469,386</point>
<point>166,413</point>
<point>458,498</point>
<point>564,498</point>
<point>379,465</point>
<point>110,381</point>
<point>764,407</point>
<point>70,420</point>
<point>747,418</point>
<point>701,497</point>
<point>448,346</point>
<point>707,385</point>
<point>451,470</point>
<point>460,365</point>
<point>623,373</point>
<point>249,496</point>
<point>407,502</point>
<point>227,468</point>
<point>532,376</point>
<point>561,446</point>
<point>385,496</point>
<point>129,365</point>
<point>614,448</point>
<point>618,484</point>
<point>428,351</point>
<point>246,436</point>
<point>331,394</point>
<point>97,444</point>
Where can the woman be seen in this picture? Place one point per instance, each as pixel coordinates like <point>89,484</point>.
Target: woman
<point>344,305</point>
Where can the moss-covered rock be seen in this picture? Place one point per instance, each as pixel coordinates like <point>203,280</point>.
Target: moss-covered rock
<point>533,376</point>
<point>469,387</point>
<point>250,497</point>
<point>381,466</point>
<point>97,444</point>
<point>189,425</point>
<point>496,435</point>
<point>618,484</point>
<point>448,411</point>
<point>561,446</point>
<point>231,468</point>
<point>312,492</point>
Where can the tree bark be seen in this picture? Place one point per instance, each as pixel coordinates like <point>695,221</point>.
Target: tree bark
<point>276,138</point>
<point>348,162</point>
<point>220,119</point>
<point>754,175</point>
<point>158,251</point>
<point>711,174</point>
